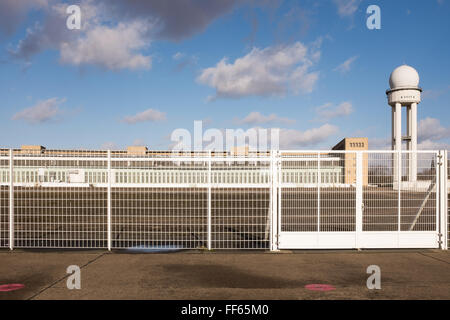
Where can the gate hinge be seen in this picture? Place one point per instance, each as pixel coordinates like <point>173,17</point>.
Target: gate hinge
<point>439,157</point>
<point>440,242</point>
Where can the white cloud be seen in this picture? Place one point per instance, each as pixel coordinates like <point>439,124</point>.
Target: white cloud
<point>139,142</point>
<point>329,111</point>
<point>290,138</point>
<point>101,42</point>
<point>114,33</point>
<point>109,146</point>
<point>149,115</point>
<point>347,7</point>
<point>431,129</point>
<point>380,144</point>
<point>435,93</point>
<point>254,118</point>
<point>43,111</point>
<point>184,61</point>
<point>178,56</point>
<point>433,145</point>
<point>112,48</point>
<point>264,72</point>
<point>207,121</point>
<point>346,65</point>
<point>385,144</point>
<point>430,136</point>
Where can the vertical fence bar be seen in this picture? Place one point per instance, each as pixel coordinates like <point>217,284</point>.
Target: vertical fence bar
<point>318,191</point>
<point>209,200</point>
<point>437,173</point>
<point>445,200</point>
<point>442,194</point>
<point>269,224</point>
<point>399,203</point>
<point>274,193</point>
<point>277,192</point>
<point>109,200</point>
<point>359,197</point>
<point>11,199</point>
<point>437,176</point>
<point>270,200</point>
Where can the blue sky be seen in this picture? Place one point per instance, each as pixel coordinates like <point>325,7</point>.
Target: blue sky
<point>137,71</point>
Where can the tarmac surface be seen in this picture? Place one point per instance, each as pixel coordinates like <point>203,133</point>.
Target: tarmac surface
<point>405,274</point>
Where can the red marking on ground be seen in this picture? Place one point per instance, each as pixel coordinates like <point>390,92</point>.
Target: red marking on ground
<point>11,287</point>
<point>319,287</point>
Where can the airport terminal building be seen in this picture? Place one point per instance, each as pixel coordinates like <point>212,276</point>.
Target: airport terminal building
<point>336,168</point>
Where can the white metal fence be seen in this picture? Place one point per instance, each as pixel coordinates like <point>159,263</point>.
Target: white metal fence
<point>267,200</point>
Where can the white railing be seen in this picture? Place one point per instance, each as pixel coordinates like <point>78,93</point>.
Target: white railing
<point>271,200</point>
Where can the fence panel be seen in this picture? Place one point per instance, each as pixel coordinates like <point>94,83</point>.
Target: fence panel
<point>338,197</point>
<point>400,203</point>
<point>159,204</point>
<point>310,203</point>
<point>240,218</point>
<point>380,197</point>
<point>60,200</point>
<point>299,193</point>
<point>416,194</point>
<point>240,203</point>
<point>318,199</point>
<point>299,207</point>
<point>419,193</point>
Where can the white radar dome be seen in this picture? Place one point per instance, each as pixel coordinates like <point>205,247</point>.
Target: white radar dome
<point>404,76</point>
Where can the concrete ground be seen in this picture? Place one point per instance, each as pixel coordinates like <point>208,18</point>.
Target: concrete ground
<point>405,274</point>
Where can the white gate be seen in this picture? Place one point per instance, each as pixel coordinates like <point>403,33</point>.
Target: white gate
<point>360,199</point>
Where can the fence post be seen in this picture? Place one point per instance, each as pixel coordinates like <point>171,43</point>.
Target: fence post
<point>399,202</point>
<point>278,193</point>
<point>319,180</point>
<point>443,206</point>
<point>359,197</point>
<point>446,208</point>
<point>109,200</point>
<point>11,199</point>
<point>209,200</point>
<point>274,194</point>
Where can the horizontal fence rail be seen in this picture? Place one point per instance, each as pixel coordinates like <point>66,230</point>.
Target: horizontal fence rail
<point>211,200</point>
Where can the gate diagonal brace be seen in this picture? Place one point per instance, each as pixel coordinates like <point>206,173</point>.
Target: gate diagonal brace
<point>430,190</point>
